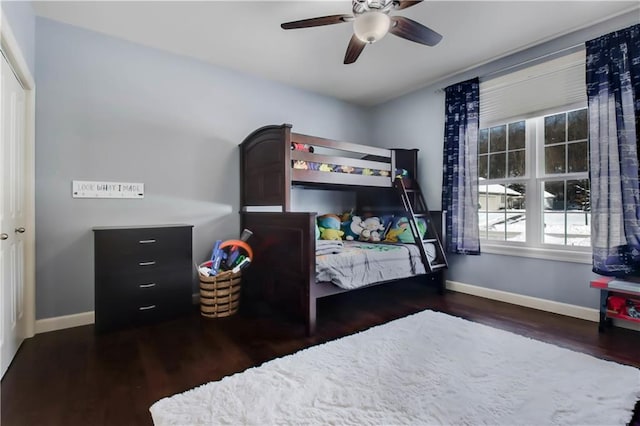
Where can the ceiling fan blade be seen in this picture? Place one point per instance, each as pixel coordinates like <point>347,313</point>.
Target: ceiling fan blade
<point>317,22</point>
<point>414,31</point>
<point>355,47</point>
<point>403,4</point>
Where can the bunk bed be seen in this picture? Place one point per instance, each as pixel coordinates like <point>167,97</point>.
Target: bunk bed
<point>283,272</point>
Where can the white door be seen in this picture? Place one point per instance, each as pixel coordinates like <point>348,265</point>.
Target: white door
<point>12,215</point>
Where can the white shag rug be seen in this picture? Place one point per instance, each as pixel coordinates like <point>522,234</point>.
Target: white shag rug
<point>427,368</point>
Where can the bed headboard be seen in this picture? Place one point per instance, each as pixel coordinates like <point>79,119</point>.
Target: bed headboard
<point>263,179</point>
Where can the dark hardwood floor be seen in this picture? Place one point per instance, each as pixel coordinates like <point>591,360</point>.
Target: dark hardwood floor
<point>74,377</point>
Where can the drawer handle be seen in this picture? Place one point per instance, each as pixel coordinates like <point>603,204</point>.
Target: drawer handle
<point>146,308</point>
<point>147,241</point>
<point>147,285</point>
<point>153,262</point>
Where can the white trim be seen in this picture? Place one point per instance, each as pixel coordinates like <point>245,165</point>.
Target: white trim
<point>626,324</point>
<point>581,312</point>
<point>589,314</point>
<point>66,321</point>
<point>78,320</point>
<point>534,179</point>
<point>15,57</point>
<point>560,255</point>
<point>566,309</point>
<point>11,49</point>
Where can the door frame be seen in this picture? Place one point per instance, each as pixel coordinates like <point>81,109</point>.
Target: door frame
<point>13,53</point>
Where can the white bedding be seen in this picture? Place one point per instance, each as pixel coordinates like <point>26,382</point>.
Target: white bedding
<point>361,264</point>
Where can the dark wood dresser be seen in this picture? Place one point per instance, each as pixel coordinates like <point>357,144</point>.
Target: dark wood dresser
<point>142,274</point>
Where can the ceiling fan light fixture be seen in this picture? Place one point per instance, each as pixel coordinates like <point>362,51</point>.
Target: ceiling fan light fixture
<point>371,26</point>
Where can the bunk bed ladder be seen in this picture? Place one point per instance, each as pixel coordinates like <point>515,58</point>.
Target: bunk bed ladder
<point>416,207</point>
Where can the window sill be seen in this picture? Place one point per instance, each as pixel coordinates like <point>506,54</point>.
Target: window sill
<point>560,255</point>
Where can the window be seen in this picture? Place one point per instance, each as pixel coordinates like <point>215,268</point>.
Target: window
<point>502,187</point>
<point>533,160</point>
<point>566,207</point>
<point>534,183</point>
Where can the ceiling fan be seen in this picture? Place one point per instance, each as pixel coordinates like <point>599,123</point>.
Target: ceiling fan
<point>371,22</point>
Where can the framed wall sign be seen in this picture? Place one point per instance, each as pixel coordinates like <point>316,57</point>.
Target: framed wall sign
<point>101,189</point>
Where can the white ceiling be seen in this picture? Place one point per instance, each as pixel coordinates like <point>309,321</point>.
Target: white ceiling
<point>246,36</point>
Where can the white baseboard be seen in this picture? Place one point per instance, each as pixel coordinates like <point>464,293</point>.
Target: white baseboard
<point>77,320</point>
<point>589,314</point>
<point>66,321</point>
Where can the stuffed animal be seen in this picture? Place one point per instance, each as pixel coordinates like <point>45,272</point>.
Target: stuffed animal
<point>352,228</point>
<point>300,165</point>
<point>301,147</point>
<point>329,221</point>
<point>370,236</point>
<point>392,235</point>
<point>402,173</point>
<point>325,167</point>
<point>407,237</point>
<point>330,234</point>
<point>398,226</point>
<point>329,225</point>
<point>371,229</point>
<point>400,231</point>
<point>346,216</point>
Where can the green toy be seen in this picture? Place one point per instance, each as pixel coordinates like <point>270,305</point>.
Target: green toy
<point>401,231</point>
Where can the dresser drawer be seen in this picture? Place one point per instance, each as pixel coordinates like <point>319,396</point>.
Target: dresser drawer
<point>139,247</point>
<point>142,309</point>
<point>114,287</point>
<point>149,265</point>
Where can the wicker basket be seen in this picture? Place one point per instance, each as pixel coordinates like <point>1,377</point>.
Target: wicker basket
<point>220,294</point>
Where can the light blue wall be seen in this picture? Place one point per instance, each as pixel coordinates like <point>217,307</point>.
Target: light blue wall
<point>112,110</point>
<point>22,21</point>
<point>416,120</point>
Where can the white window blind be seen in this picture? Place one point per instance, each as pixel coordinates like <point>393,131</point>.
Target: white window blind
<point>534,90</point>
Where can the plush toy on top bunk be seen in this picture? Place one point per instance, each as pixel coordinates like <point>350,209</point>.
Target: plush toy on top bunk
<point>295,146</point>
<point>406,178</point>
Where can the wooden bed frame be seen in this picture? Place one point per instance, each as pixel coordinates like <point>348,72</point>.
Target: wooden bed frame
<point>284,266</point>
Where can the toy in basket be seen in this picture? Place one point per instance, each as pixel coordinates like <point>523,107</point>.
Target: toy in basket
<point>221,277</point>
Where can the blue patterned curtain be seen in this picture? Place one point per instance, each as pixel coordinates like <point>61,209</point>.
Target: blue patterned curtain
<point>460,171</point>
<point>613,90</point>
